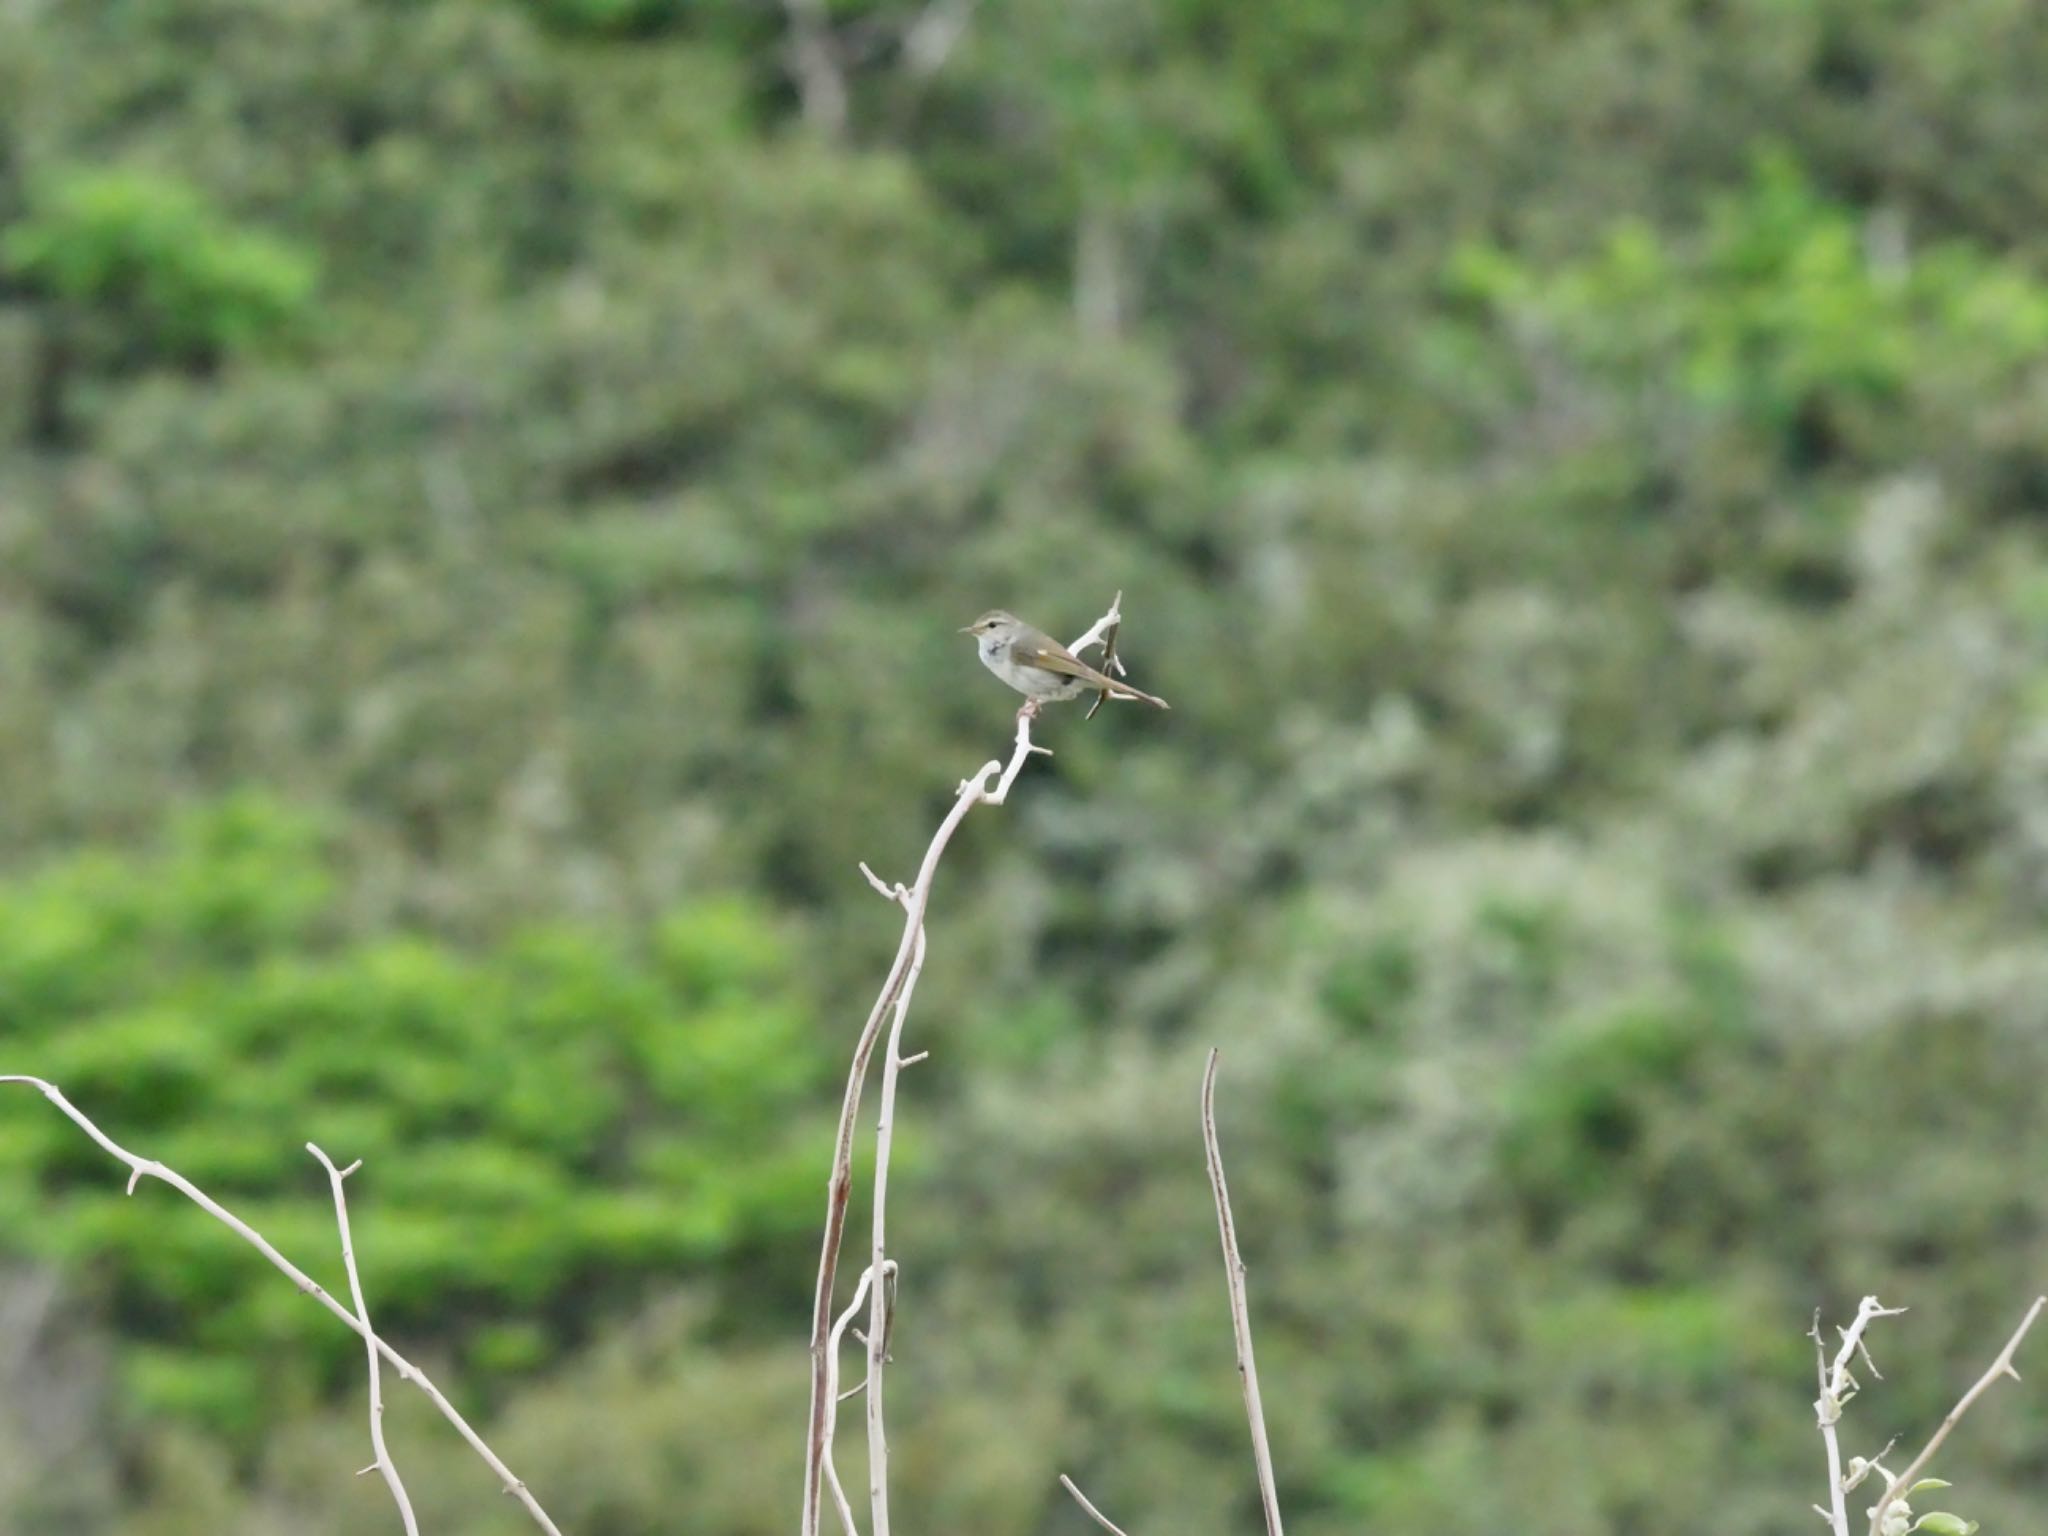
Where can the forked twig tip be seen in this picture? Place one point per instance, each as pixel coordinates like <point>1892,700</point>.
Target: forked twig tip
<point>1089,1509</point>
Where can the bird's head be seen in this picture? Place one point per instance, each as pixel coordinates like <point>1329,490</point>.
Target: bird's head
<point>994,622</point>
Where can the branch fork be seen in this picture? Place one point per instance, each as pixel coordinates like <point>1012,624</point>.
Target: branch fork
<point>383,1463</point>
<point>142,1167</point>
<point>1838,1385</point>
<point>989,785</point>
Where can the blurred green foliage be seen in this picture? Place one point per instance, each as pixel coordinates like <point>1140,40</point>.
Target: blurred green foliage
<point>1577,470</point>
<point>549,1126</point>
<point>148,252</point>
<point>1784,318</point>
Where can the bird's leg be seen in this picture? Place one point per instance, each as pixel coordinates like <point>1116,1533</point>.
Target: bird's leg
<point>1029,711</point>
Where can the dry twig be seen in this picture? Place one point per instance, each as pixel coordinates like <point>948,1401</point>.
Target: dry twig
<point>1240,1324</point>
<point>2002,1366</point>
<point>1837,1386</point>
<point>140,1168</point>
<point>383,1464</point>
<point>990,785</point>
<point>882,1298</point>
<point>831,1470</point>
<point>1094,1514</point>
<point>1240,1312</point>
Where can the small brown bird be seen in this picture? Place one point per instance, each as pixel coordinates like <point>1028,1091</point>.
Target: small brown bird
<point>1039,667</point>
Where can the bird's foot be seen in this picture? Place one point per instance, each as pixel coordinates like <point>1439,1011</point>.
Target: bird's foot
<point>1029,711</point>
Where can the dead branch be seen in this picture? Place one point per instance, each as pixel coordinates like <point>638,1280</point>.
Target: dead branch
<point>1094,1514</point>
<point>383,1465</point>
<point>881,1298</point>
<point>860,1291</point>
<point>140,1168</point>
<point>1837,1386</point>
<point>1240,1312</point>
<point>1899,1486</point>
<point>990,785</point>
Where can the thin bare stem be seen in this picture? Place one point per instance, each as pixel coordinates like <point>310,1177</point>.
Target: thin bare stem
<point>990,785</point>
<point>1838,1513</point>
<point>383,1464</point>
<point>1101,627</point>
<point>139,1168</point>
<point>2002,1366</point>
<point>1837,1386</point>
<point>1240,1312</point>
<point>1094,1514</point>
<point>832,1416</point>
<point>880,1298</point>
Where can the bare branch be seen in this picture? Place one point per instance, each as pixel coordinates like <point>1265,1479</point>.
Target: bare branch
<point>140,1168</point>
<point>383,1464</point>
<point>896,893</point>
<point>2002,1366</point>
<point>1105,634</point>
<point>1240,1312</point>
<point>1106,625</point>
<point>832,1414</point>
<point>1838,1513</point>
<point>1094,1514</point>
<point>1859,1468</point>
<point>1837,1386</point>
<point>881,1299</point>
<point>990,785</point>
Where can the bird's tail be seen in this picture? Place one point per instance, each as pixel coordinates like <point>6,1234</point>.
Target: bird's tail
<point>1126,691</point>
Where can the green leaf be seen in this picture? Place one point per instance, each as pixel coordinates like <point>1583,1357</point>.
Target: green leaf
<point>1943,1523</point>
<point>1926,1482</point>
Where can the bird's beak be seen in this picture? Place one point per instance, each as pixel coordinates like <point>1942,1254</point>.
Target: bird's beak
<point>965,629</point>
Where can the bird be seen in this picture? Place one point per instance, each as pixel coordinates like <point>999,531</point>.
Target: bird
<point>1039,667</point>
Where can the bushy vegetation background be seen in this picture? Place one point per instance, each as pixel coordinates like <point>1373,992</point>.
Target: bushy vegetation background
<point>486,490</point>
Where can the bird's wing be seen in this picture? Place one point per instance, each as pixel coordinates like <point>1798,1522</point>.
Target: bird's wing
<point>1053,657</point>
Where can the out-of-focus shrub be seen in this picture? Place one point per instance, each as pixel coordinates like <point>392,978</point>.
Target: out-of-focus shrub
<point>548,1126</point>
<point>182,279</point>
<point>1824,333</point>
